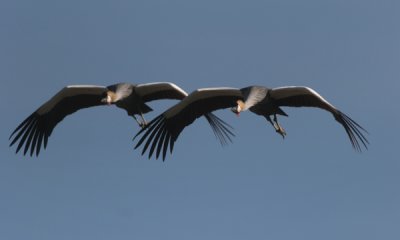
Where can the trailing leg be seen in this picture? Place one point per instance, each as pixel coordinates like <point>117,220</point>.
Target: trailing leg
<point>276,126</point>
<point>138,122</point>
<point>144,123</point>
<point>279,129</point>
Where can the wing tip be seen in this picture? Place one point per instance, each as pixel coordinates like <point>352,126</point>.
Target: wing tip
<point>354,131</point>
<point>156,136</point>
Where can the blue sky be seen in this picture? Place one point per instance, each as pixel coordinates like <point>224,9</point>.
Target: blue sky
<point>91,184</point>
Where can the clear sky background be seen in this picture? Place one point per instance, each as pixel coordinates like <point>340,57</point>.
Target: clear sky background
<point>91,184</point>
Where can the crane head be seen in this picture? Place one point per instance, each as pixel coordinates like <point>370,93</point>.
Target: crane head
<point>237,109</point>
<point>108,98</point>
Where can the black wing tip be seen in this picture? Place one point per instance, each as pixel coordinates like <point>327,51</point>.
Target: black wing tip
<point>354,131</point>
<point>30,135</point>
<point>156,135</point>
<point>221,129</point>
<point>23,124</point>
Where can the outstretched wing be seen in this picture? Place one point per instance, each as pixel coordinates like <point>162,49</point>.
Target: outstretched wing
<point>307,97</point>
<point>299,97</point>
<point>37,128</point>
<point>163,131</point>
<point>159,90</point>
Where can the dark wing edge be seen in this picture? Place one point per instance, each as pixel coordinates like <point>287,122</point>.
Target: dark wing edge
<point>353,130</point>
<point>35,130</point>
<point>165,129</point>
<point>32,133</point>
<point>307,97</point>
<point>160,137</point>
<point>222,130</point>
<point>153,132</point>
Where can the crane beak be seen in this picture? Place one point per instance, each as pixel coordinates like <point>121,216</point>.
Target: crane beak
<point>106,100</point>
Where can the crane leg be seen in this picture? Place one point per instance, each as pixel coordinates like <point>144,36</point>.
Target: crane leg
<point>144,123</point>
<point>279,129</point>
<point>139,123</point>
<point>276,126</point>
